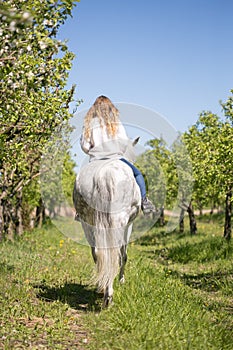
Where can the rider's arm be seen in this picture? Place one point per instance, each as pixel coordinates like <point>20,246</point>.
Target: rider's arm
<point>85,144</point>
<point>94,139</point>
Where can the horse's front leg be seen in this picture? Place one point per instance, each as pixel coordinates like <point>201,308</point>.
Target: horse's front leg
<point>123,260</point>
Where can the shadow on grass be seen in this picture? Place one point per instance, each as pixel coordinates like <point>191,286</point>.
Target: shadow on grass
<point>77,296</point>
<point>207,250</point>
<point>5,268</point>
<point>217,218</point>
<point>208,282</point>
<point>211,249</point>
<point>155,237</point>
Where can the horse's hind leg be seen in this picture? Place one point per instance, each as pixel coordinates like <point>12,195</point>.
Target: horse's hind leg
<point>93,251</point>
<point>123,256</point>
<point>123,260</point>
<point>108,295</point>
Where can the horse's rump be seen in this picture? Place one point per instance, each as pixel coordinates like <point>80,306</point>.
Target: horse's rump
<point>107,198</point>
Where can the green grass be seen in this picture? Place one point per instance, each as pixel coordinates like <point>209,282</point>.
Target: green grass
<point>177,295</point>
<point>43,280</point>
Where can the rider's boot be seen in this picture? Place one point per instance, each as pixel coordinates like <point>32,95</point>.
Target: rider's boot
<point>147,206</point>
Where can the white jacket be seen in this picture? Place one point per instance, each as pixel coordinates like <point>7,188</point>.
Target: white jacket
<point>102,146</point>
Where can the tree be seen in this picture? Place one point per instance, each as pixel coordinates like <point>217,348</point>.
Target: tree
<point>226,160</point>
<point>209,145</point>
<point>34,98</point>
<point>154,165</point>
<point>183,166</point>
<point>170,177</point>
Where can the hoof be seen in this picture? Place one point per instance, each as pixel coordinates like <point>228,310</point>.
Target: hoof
<point>107,301</point>
<point>122,279</point>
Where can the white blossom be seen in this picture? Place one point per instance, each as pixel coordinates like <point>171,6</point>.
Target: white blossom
<point>30,75</point>
<point>42,44</point>
<point>26,15</point>
<point>48,23</point>
<point>12,26</point>
<point>15,85</point>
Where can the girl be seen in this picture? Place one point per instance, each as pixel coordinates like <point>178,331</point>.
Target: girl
<point>104,137</point>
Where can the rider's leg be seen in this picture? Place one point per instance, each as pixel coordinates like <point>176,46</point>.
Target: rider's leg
<point>147,206</point>
<point>138,177</point>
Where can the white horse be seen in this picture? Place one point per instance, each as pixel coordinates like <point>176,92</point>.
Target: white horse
<point>107,199</point>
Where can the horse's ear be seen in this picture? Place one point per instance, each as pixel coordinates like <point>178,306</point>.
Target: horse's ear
<point>135,141</point>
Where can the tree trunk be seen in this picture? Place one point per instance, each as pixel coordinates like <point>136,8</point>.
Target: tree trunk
<point>7,219</point>
<point>182,220</point>
<point>161,217</point>
<point>40,214</point>
<point>1,222</point>
<point>18,214</point>
<point>10,212</point>
<point>192,219</point>
<point>228,211</point>
<point>199,204</point>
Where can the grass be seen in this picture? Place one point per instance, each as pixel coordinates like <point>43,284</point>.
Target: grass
<point>177,295</point>
<point>43,290</point>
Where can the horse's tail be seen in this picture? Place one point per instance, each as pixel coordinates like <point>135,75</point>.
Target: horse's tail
<point>108,242</point>
<point>109,227</point>
<point>107,265</point>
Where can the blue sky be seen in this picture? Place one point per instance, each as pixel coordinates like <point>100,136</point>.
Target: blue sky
<point>172,56</point>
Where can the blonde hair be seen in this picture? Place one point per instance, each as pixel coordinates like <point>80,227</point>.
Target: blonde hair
<point>107,114</point>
